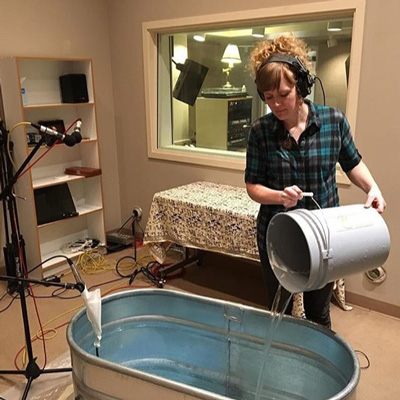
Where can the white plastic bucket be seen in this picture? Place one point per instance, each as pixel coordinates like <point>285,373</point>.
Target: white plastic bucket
<point>308,249</point>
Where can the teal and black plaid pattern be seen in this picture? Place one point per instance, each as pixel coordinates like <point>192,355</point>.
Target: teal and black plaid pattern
<point>276,160</point>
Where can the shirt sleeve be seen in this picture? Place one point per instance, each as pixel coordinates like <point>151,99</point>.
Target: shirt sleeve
<point>349,157</point>
<point>256,156</point>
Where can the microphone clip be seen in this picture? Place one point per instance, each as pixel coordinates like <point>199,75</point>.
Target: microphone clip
<point>80,287</point>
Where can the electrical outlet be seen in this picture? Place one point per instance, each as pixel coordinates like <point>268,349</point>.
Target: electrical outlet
<point>137,213</point>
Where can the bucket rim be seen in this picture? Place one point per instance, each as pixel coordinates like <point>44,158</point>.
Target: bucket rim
<point>315,243</point>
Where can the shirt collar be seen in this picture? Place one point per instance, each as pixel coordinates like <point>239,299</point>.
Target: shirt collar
<point>313,117</point>
<point>277,125</point>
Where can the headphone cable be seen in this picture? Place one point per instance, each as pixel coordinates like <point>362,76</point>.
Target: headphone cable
<point>322,88</point>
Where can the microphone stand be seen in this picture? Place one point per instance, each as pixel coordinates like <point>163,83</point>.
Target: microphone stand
<point>15,257</point>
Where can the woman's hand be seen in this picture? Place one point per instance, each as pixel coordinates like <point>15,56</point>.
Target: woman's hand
<point>291,195</point>
<point>376,200</point>
<point>362,178</point>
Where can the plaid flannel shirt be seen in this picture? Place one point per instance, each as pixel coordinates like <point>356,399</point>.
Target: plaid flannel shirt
<point>276,160</point>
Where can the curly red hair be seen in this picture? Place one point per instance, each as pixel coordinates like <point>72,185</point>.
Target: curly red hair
<point>283,44</point>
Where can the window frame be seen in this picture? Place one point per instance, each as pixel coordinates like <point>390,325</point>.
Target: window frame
<point>151,29</point>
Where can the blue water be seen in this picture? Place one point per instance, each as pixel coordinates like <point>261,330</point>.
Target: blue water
<point>212,359</point>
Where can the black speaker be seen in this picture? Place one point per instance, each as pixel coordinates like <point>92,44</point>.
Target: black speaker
<point>74,88</point>
<point>189,82</point>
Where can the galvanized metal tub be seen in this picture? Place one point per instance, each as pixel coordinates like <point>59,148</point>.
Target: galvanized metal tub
<point>168,345</point>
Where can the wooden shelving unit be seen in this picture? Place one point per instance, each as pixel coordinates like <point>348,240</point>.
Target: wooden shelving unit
<point>42,101</point>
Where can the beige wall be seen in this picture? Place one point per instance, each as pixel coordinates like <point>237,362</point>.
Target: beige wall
<point>71,28</point>
<point>377,133</point>
<point>332,72</point>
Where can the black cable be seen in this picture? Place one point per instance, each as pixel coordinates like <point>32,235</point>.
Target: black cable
<point>322,88</point>
<point>28,293</point>
<point>2,297</point>
<point>8,306</point>
<point>43,297</point>
<point>140,226</point>
<point>157,281</point>
<point>63,290</point>
<point>104,283</point>
<point>366,357</point>
<point>125,223</point>
<point>117,267</point>
<point>37,297</point>
<point>143,270</point>
<point>57,295</point>
<point>149,275</point>
<point>45,261</point>
<point>13,298</point>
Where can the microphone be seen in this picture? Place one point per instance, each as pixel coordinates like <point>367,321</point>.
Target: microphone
<point>80,284</point>
<point>77,131</point>
<point>67,139</point>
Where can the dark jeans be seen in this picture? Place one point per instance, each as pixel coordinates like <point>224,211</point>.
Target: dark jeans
<point>316,302</point>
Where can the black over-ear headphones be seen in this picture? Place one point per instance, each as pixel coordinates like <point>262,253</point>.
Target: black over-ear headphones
<point>305,80</point>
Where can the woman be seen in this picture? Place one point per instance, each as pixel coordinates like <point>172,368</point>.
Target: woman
<point>295,149</point>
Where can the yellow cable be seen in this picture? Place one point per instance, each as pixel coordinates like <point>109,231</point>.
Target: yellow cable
<point>92,262</point>
<point>41,336</point>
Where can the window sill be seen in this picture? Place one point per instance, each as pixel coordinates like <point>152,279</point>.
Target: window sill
<point>200,156</point>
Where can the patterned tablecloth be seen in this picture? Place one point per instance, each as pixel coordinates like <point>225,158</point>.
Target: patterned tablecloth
<point>211,217</point>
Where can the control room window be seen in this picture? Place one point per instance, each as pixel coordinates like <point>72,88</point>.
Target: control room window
<point>206,98</point>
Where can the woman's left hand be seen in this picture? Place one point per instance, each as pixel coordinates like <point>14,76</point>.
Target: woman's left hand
<point>376,200</point>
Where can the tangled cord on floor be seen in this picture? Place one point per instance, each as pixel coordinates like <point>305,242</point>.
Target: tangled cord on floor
<point>146,271</point>
<point>91,261</point>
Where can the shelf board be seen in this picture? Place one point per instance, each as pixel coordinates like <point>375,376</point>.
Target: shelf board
<point>57,105</point>
<point>54,180</point>
<point>87,141</point>
<point>83,210</point>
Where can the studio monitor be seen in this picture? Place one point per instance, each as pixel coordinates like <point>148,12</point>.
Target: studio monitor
<point>189,82</point>
<point>74,88</point>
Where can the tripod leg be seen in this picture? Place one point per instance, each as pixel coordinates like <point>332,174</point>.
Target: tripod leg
<point>56,370</point>
<point>27,387</point>
<point>25,320</point>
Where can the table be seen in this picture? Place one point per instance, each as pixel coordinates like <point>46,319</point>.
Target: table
<point>211,217</point>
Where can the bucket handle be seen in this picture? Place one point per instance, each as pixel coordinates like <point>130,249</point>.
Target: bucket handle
<point>327,252</point>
